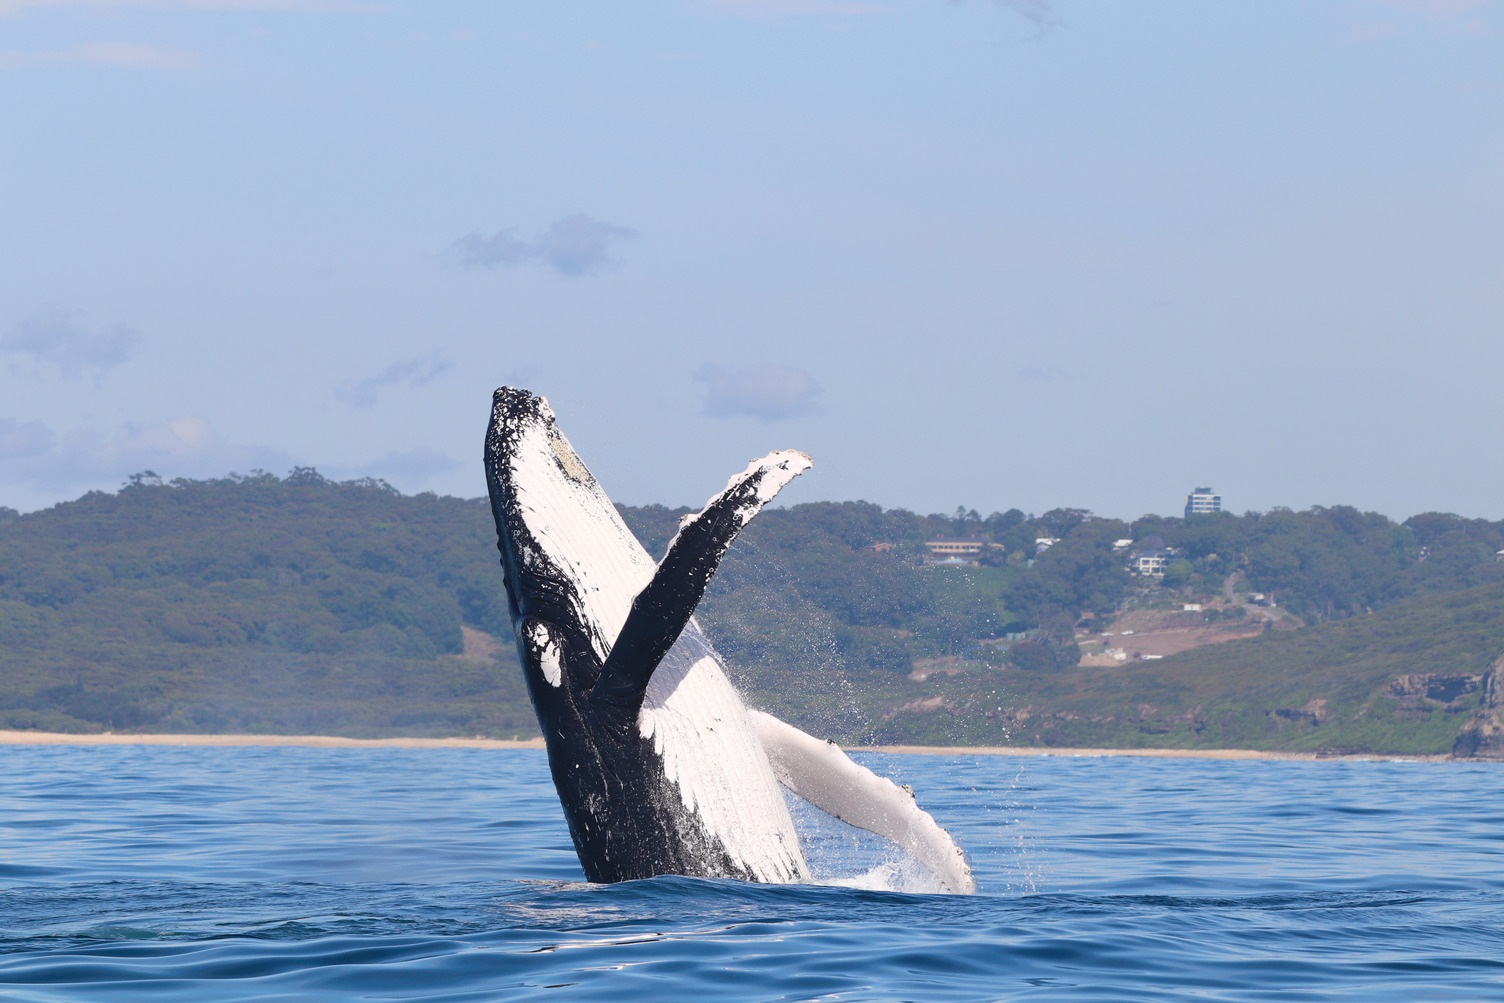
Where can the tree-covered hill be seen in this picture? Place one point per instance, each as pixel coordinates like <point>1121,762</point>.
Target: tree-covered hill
<point>298,604</point>
<point>255,604</point>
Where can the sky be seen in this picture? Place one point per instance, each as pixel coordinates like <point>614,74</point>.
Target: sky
<point>987,254</point>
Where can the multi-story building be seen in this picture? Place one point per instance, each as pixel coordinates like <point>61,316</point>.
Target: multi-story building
<point>1201,501</point>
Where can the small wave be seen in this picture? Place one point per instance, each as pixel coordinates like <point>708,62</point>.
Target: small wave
<point>290,874</point>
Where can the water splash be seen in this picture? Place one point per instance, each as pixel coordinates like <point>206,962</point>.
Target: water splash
<point>841,855</point>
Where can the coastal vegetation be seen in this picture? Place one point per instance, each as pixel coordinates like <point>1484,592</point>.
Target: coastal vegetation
<point>298,605</point>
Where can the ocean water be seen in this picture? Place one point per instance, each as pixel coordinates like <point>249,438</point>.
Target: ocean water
<point>197,873</point>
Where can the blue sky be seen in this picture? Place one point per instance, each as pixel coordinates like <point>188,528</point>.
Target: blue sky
<point>979,253</point>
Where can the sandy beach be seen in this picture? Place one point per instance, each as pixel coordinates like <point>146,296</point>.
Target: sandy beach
<point>335,742</point>
<point>1026,750</point>
<point>311,741</point>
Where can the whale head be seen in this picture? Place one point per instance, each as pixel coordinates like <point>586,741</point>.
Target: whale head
<point>568,558</point>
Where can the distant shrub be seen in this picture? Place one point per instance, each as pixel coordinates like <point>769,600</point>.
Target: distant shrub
<point>1031,656</point>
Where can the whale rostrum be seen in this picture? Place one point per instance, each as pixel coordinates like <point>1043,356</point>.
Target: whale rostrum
<point>659,766</point>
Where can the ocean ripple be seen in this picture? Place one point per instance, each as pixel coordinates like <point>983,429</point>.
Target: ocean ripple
<point>279,873</point>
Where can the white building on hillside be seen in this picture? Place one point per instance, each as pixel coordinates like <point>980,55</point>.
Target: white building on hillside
<point>1152,562</point>
<point>1201,502</point>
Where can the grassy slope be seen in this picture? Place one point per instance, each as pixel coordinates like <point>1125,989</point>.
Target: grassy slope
<point>1327,687</point>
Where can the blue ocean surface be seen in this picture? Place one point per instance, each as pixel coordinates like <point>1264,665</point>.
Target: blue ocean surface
<point>203,873</point>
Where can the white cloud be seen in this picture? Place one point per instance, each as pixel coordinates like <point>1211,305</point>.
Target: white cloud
<point>58,340</point>
<point>41,463</point>
<point>412,465</point>
<point>572,245</point>
<point>766,392</point>
<point>134,55</point>
<point>412,373</point>
<point>407,470</point>
<point>166,443</point>
<point>40,466</point>
<point>8,7</point>
<point>120,55</point>
<point>178,447</point>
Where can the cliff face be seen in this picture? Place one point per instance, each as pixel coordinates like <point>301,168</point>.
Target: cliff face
<point>1483,736</point>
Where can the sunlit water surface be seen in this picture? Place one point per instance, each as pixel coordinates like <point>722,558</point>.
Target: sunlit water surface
<point>169,873</point>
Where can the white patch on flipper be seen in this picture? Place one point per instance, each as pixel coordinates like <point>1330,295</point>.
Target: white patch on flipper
<point>779,467</point>
<point>773,472</point>
<point>823,775</point>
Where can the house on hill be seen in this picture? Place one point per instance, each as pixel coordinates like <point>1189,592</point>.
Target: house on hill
<point>957,550</point>
<point>1152,562</point>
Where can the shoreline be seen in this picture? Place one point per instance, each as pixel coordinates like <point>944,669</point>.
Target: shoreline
<point>1084,753</point>
<point>337,742</point>
<point>304,741</point>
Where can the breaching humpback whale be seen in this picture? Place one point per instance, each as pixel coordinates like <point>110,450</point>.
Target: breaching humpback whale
<point>660,767</point>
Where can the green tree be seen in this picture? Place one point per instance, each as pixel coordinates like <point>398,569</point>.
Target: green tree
<point>1177,573</point>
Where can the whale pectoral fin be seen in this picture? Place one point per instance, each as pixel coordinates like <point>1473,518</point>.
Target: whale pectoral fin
<point>820,773</point>
<point>664,606</point>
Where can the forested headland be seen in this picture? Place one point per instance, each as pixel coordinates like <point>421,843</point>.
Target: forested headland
<point>301,605</point>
